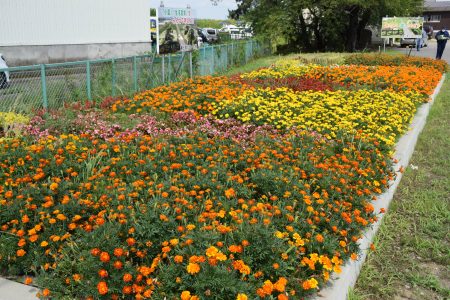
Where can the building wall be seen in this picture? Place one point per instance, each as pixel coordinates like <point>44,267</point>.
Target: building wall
<point>47,54</point>
<point>443,23</point>
<point>62,22</point>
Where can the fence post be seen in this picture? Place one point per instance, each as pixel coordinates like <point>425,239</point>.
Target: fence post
<point>232,54</point>
<point>203,62</point>
<point>88,79</point>
<point>168,69</point>
<point>246,52</point>
<point>113,76</point>
<point>191,71</point>
<point>163,70</point>
<point>135,74</point>
<point>44,88</point>
<point>212,60</point>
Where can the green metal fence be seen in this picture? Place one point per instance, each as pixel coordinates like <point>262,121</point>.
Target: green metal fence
<point>52,85</point>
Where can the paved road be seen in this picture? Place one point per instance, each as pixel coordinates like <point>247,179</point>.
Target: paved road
<point>429,51</point>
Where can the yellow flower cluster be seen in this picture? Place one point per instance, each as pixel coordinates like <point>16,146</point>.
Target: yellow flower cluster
<point>381,115</point>
<point>281,70</point>
<point>9,122</point>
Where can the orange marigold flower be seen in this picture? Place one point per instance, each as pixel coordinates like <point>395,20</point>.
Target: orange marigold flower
<point>46,292</point>
<point>28,280</point>
<point>319,238</point>
<point>103,273</point>
<point>118,252</point>
<point>127,277</point>
<point>127,289</point>
<point>280,285</point>
<point>104,257</point>
<point>20,252</point>
<point>193,268</point>
<point>118,265</point>
<point>178,259</point>
<point>95,251</point>
<point>54,186</point>
<point>230,193</point>
<point>282,297</point>
<point>102,288</point>
<point>268,287</point>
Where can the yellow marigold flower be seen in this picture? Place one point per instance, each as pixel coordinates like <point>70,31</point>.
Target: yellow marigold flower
<point>185,295</point>
<point>193,268</point>
<point>241,297</point>
<point>211,251</point>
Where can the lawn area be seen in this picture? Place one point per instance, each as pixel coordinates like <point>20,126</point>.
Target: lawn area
<point>255,185</point>
<point>412,256</point>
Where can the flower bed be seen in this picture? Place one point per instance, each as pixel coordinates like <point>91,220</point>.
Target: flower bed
<point>158,198</point>
<point>383,115</point>
<point>402,79</point>
<point>395,60</point>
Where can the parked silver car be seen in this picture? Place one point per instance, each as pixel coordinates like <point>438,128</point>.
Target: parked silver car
<point>4,75</point>
<point>211,35</point>
<point>412,42</point>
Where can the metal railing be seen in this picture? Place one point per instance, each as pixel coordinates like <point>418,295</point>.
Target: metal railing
<point>49,86</point>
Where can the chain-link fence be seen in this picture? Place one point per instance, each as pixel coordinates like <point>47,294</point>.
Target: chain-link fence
<point>52,85</point>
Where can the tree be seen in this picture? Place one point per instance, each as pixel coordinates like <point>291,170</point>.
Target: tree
<point>320,25</point>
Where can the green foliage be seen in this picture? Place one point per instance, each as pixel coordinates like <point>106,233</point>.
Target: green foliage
<point>322,25</point>
<point>210,23</point>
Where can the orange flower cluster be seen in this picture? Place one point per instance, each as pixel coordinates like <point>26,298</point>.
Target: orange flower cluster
<point>197,95</point>
<point>371,59</point>
<point>405,79</point>
<point>226,213</point>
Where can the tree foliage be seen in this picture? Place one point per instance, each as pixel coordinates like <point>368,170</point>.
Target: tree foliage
<point>320,25</point>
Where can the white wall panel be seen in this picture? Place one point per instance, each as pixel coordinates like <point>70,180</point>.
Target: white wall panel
<point>59,22</point>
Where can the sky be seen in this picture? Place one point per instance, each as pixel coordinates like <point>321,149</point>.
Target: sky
<point>203,9</point>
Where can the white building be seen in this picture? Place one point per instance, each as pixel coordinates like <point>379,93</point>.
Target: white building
<point>46,31</point>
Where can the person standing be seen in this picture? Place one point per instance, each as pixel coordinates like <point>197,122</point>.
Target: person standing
<point>441,36</point>
<point>420,42</point>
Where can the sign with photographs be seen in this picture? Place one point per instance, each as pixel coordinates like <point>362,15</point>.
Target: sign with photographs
<point>177,30</point>
<point>399,27</point>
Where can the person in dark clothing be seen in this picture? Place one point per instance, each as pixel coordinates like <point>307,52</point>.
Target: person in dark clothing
<point>441,36</point>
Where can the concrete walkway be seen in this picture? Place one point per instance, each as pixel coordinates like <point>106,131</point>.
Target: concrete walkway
<point>11,290</point>
<point>429,51</point>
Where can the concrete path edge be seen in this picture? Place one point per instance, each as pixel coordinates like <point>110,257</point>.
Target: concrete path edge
<point>339,285</point>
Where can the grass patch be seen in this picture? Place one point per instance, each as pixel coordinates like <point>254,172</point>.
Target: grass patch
<point>413,245</point>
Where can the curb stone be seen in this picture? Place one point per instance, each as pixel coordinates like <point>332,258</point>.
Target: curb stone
<point>339,286</point>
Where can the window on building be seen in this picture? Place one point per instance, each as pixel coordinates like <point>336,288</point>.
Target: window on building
<point>434,18</point>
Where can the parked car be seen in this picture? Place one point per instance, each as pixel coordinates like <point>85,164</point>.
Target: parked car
<point>210,35</point>
<point>4,75</point>
<point>412,42</point>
